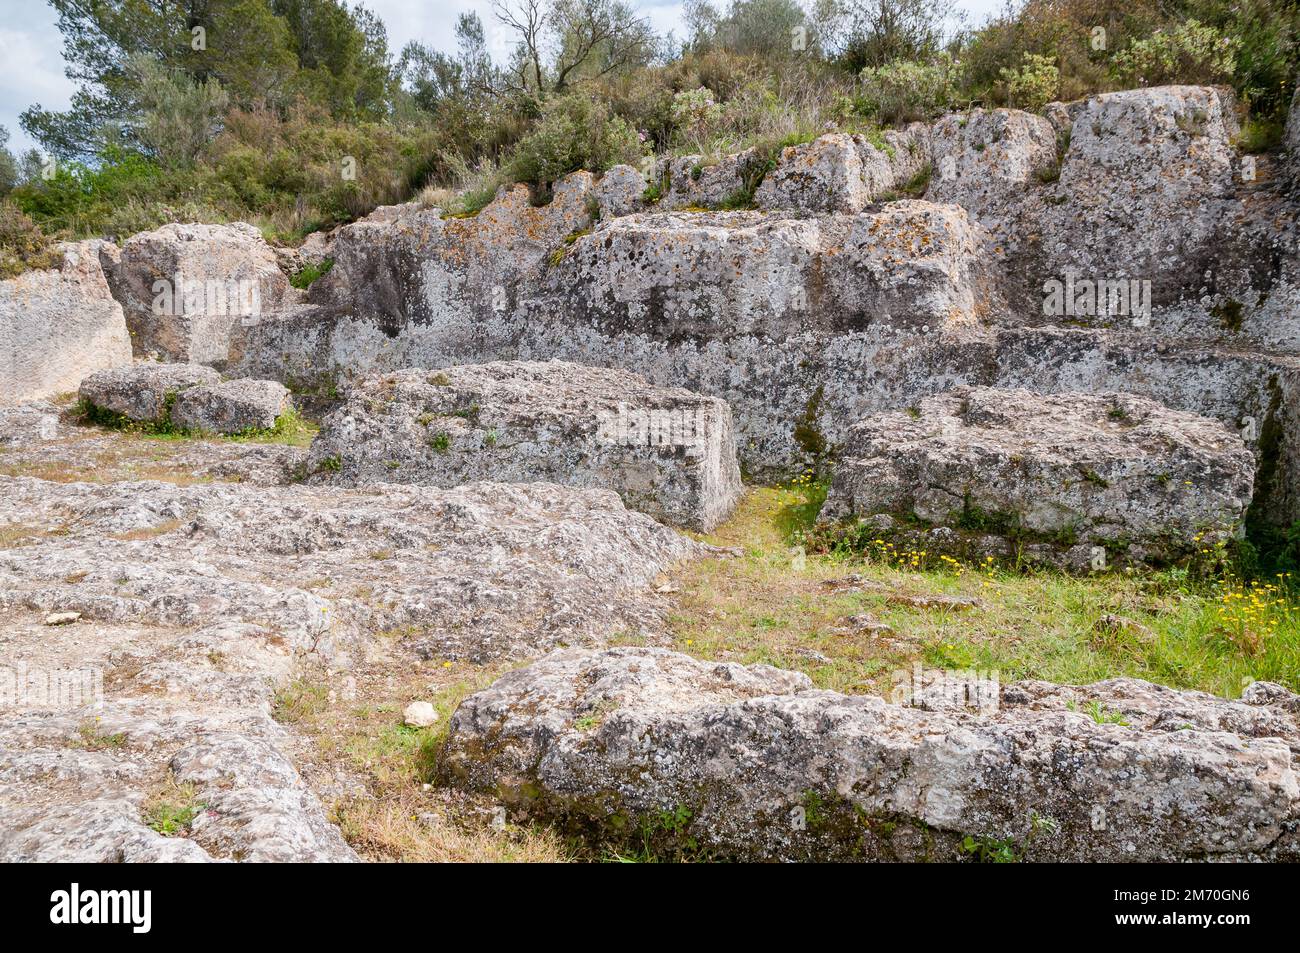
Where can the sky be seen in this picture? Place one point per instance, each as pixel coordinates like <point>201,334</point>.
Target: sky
<point>31,62</point>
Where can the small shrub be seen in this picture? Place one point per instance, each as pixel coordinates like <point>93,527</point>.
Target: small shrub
<point>304,278</point>
<point>23,246</point>
<point>576,132</point>
<point>1188,52</point>
<point>1035,84</point>
<point>907,90</point>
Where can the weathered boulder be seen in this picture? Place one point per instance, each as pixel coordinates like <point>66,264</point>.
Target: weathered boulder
<point>621,191</point>
<point>666,452</point>
<point>985,160</point>
<point>58,325</point>
<point>231,407</point>
<point>697,181</point>
<point>1113,470</point>
<point>190,290</point>
<point>754,763</point>
<point>843,173</point>
<point>27,424</point>
<point>144,392</point>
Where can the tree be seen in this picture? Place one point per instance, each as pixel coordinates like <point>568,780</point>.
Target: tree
<point>178,116</point>
<point>877,32</point>
<point>760,27</point>
<point>252,53</point>
<point>560,43</point>
<point>8,164</point>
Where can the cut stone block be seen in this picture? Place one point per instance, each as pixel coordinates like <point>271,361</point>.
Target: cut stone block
<point>231,407</point>
<point>1113,470</point>
<point>145,392</point>
<point>668,452</point>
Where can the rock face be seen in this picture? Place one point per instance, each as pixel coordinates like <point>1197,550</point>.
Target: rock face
<point>28,424</point>
<point>985,159</point>
<point>668,453</point>
<point>696,181</point>
<point>621,191</point>
<point>190,290</point>
<point>57,326</point>
<point>144,392</point>
<point>1112,470</point>
<point>196,601</point>
<point>753,763</point>
<point>804,322</point>
<point>843,173</point>
<point>231,407</point>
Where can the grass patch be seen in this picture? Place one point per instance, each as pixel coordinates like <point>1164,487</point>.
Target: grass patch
<point>172,808</point>
<point>308,274</point>
<point>772,605</point>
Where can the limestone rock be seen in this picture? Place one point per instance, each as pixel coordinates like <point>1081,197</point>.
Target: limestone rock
<point>985,160</point>
<point>667,452</point>
<point>843,173</point>
<point>1106,469</point>
<point>27,424</point>
<point>144,392</point>
<point>620,191</point>
<point>1293,126</point>
<point>419,715</point>
<point>190,290</point>
<point>753,763</point>
<point>231,407</point>
<point>697,181</point>
<point>480,571</point>
<point>59,325</point>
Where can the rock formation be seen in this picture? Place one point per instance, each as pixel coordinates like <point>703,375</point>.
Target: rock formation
<point>720,760</point>
<point>666,452</point>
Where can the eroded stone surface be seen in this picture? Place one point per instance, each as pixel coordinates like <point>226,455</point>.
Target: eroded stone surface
<point>757,764</point>
<point>59,325</point>
<point>844,173</point>
<point>1111,469</point>
<point>144,392</point>
<point>231,407</point>
<point>188,290</point>
<point>666,452</point>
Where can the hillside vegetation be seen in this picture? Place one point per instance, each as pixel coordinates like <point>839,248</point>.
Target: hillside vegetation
<point>297,115</point>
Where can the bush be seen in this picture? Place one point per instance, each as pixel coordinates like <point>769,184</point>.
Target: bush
<point>575,132</point>
<point>1188,52</point>
<point>1035,84</point>
<point>907,91</point>
<point>23,246</point>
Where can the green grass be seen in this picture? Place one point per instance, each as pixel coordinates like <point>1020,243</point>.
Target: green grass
<point>172,809</point>
<point>304,278</point>
<point>1215,636</point>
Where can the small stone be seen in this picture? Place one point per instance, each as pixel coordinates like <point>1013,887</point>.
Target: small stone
<point>62,618</point>
<point>419,715</point>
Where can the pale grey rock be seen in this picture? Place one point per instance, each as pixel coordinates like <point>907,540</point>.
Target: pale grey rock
<point>697,181</point>
<point>479,571</point>
<point>620,191</point>
<point>758,765</point>
<point>842,173</point>
<point>985,160</point>
<point>419,715</point>
<point>1112,470</point>
<point>231,407</point>
<point>59,325</point>
<point>26,424</point>
<point>144,392</point>
<point>189,291</point>
<point>666,452</point>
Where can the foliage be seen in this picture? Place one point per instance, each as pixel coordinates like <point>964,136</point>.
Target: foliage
<point>906,90</point>
<point>1187,52</point>
<point>23,245</point>
<point>575,132</point>
<point>1035,84</point>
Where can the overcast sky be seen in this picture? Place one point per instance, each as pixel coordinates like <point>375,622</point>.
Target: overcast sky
<point>31,63</point>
